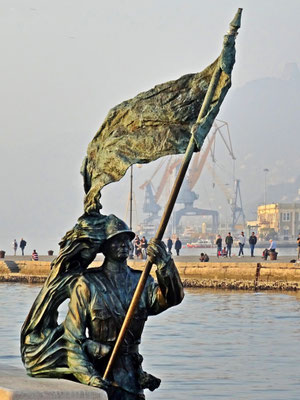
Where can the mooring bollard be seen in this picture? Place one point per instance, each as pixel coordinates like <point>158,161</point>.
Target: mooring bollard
<point>258,267</point>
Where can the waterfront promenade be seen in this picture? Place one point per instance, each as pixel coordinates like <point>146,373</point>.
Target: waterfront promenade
<point>245,273</point>
<point>181,258</point>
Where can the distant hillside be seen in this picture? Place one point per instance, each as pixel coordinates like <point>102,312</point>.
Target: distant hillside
<point>264,121</point>
<point>264,118</point>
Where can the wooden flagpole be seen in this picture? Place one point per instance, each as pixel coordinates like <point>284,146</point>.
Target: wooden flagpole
<point>234,26</point>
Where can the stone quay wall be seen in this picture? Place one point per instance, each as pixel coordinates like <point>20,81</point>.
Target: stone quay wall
<point>223,275</point>
<point>16,385</point>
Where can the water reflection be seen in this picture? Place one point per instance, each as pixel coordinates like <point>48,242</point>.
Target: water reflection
<point>229,345</point>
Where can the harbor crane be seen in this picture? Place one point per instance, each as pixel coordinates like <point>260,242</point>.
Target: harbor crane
<point>234,199</point>
<point>187,196</point>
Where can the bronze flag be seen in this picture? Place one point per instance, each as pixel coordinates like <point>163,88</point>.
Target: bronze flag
<point>153,124</point>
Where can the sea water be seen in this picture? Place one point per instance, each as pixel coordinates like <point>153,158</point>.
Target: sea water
<point>215,345</point>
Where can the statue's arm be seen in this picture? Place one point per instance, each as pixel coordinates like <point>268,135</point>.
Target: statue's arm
<point>170,283</point>
<point>168,291</point>
<point>75,334</point>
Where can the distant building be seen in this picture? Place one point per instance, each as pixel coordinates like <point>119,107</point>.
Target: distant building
<point>281,220</point>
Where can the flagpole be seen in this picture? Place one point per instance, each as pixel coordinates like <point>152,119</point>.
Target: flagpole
<point>234,26</point>
<point>130,199</point>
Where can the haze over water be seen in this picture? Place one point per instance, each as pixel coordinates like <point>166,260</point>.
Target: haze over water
<point>215,345</point>
<point>63,67</point>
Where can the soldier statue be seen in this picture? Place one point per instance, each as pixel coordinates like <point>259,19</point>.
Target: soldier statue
<point>80,347</point>
<point>172,118</point>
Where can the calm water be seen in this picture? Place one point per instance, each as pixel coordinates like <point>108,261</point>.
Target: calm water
<point>215,345</point>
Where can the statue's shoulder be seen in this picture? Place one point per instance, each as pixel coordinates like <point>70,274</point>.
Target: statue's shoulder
<point>92,274</point>
<point>92,270</point>
<point>90,281</point>
<point>87,276</point>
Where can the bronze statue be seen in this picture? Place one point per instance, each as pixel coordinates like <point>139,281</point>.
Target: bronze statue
<point>97,343</point>
<point>99,298</point>
<point>99,301</point>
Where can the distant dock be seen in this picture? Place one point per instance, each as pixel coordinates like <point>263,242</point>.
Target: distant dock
<point>245,273</point>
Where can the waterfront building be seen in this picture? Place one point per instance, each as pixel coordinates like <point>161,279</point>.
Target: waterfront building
<point>279,219</point>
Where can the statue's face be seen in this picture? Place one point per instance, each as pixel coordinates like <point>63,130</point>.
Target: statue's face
<point>117,248</point>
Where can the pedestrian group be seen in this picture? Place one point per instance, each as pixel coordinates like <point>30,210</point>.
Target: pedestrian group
<point>226,250</point>
<point>140,246</point>
<point>22,245</point>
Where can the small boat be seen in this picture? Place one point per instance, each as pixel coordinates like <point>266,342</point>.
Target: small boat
<point>201,243</point>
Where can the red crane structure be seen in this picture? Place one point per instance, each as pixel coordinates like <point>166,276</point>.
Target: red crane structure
<point>186,195</point>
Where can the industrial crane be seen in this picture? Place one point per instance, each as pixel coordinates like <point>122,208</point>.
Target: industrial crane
<point>151,206</point>
<point>237,206</point>
<point>187,196</point>
<point>234,199</point>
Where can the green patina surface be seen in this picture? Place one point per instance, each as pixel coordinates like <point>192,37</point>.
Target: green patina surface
<point>153,124</point>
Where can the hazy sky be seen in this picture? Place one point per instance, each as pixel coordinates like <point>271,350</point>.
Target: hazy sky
<point>64,64</point>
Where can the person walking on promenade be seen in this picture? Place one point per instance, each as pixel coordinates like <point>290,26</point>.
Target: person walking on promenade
<point>242,241</point>
<point>229,242</point>
<point>252,242</point>
<point>22,245</point>
<point>219,245</point>
<point>178,246</point>
<point>144,245</point>
<point>169,245</point>
<point>15,246</point>
<point>298,243</point>
<point>34,256</point>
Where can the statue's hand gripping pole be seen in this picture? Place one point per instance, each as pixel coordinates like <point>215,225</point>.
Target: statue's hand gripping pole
<point>234,26</point>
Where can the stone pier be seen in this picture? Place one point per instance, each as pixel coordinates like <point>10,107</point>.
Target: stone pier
<point>16,385</point>
<point>230,273</point>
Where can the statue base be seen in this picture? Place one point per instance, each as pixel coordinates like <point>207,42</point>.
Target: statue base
<point>16,385</point>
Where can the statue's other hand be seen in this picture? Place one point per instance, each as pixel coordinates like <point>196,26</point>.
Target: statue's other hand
<point>98,382</point>
<point>95,349</point>
<point>157,252</point>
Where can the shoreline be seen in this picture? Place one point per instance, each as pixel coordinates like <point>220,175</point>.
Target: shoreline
<point>227,273</point>
<point>188,283</point>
